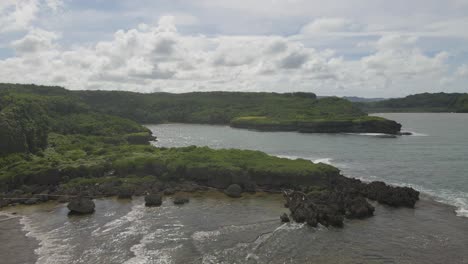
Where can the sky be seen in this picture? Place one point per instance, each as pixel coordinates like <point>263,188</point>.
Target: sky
<point>366,48</point>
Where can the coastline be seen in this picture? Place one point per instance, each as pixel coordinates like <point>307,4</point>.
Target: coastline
<point>428,213</point>
<point>17,247</point>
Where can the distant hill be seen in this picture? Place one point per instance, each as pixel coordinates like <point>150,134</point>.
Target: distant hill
<point>425,102</point>
<point>356,99</point>
<point>261,111</point>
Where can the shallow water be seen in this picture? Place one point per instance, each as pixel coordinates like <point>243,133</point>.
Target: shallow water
<point>213,228</point>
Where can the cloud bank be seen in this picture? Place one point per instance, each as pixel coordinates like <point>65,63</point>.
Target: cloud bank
<point>326,55</point>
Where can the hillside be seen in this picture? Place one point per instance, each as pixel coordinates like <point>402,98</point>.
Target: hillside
<point>52,137</point>
<point>262,111</point>
<point>426,102</point>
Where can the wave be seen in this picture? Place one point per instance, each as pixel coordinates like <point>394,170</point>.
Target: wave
<point>52,248</point>
<point>314,160</point>
<point>416,134</point>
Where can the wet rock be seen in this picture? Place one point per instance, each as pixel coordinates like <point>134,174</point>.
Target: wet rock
<point>405,133</point>
<point>153,199</point>
<point>358,207</point>
<point>81,205</point>
<point>390,195</point>
<point>284,218</point>
<point>234,191</point>
<point>327,207</point>
<point>179,200</point>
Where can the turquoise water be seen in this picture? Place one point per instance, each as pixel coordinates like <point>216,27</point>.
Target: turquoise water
<point>434,160</point>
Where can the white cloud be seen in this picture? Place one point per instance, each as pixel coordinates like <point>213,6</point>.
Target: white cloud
<point>17,15</point>
<point>37,40</point>
<point>330,25</point>
<point>55,4</point>
<point>159,57</point>
<point>343,48</point>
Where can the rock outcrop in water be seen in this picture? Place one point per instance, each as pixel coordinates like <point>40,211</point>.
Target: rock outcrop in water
<point>284,218</point>
<point>345,198</point>
<point>328,208</point>
<point>390,195</point>
<point>234,191</point>
<point>153,199</point>
<point>81,205</point>
<point>179,200</point>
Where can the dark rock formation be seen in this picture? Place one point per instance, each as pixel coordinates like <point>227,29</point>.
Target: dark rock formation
<point>328,208</point>
<point>234,190</point>
<point>284,218</point>
<point>153,199</point>
<point>405,133</point>
<point>81,205</point>
<point>180,200</point>
<point>390,195</point>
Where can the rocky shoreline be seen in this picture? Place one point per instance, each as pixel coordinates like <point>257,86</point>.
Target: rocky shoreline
<point>326,205</point>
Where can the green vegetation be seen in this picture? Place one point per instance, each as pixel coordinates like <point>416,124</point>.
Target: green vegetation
<point>79,159</point>
<point>50,136</point>
<point>426,102</point>
<point>261,111</point>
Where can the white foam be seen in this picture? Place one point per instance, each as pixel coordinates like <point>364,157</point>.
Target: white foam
<point>320,160</point>
<point>416,134</point>
<point>290,226</point>
<point>205,235</point>
<point>325,161</point>
<point>52,248</point>
<point>135,213</point>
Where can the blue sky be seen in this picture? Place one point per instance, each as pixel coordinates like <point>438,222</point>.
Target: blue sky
<point>370,48</point>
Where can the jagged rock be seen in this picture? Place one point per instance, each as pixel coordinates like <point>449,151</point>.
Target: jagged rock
<point>81,205</point>
<point>153,199</point>
<point>358,207</point>
<point>284,218</point>
<point>180,200</point>
<point>234,190</point>
<point>393,196</point>
<point>328,207</point>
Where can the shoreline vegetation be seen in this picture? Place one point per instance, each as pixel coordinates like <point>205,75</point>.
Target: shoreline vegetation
<point>298,111</point>
<point>419,103</point>
<point>57,144</point>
